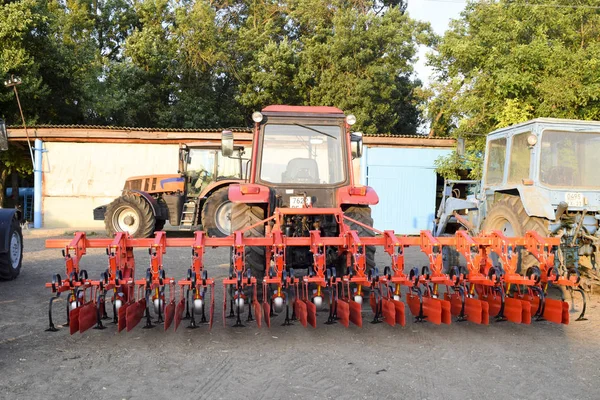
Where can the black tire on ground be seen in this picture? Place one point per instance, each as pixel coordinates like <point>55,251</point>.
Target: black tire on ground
<point>361,214</point>
<point>216,213</point>
<point>130,213</point>
<point>508,216</point>
<point>243,216</point>
<point>10,262</point>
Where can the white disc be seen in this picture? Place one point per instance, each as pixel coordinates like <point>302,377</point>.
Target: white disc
<point>158,305</point>
<point>278,304</point>
<point>239,302</point>
<point>358,299</point>
<point>73,305</point>
<point>318,301</point>
<point>198,303</point>
<point>118,304</point>
<point>396,297</point>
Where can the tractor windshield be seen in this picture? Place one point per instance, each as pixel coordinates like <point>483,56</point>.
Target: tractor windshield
<point>208,165</point>
<point>569,159</point>
<point>309,154</point>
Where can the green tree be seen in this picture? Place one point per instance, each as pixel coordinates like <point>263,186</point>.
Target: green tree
<point>504,62</point>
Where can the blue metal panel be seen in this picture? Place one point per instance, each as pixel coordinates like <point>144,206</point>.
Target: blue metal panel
<point>405,180</point>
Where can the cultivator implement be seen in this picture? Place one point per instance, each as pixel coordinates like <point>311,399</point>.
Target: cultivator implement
<point>480,292</point>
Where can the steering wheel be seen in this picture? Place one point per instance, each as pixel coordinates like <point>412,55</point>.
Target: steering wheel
<point>202,177</point>
<point>303,176</point>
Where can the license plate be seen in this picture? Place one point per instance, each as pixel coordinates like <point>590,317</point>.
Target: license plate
<point>298,201</point>
<point>574,199</point>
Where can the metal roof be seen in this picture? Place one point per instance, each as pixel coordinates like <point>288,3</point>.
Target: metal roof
<point>126,134</point>
<point>128,128</point>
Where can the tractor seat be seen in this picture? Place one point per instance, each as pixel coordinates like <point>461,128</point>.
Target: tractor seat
<point>301,170</point>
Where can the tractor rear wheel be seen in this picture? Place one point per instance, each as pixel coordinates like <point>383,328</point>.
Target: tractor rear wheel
<point>508,216</point>
<point>132,214</point>
<point>216,213</point>
<point>242,216</point>
<point>361,214</point>
<point>10,262</point>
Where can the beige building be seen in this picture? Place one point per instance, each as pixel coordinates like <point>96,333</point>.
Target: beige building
<point>86,166</point>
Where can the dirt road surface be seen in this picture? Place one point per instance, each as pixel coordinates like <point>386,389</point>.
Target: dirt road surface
<point>419,361</point>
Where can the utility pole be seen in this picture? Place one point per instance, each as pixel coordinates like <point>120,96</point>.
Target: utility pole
<point>13,82</point>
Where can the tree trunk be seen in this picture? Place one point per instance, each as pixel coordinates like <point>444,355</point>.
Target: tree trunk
<point>3,176</point>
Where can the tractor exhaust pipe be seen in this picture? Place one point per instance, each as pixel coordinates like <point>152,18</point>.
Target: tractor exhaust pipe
<point>560,210</point>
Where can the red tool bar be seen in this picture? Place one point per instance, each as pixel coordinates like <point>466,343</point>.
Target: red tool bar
<point>289,241</point>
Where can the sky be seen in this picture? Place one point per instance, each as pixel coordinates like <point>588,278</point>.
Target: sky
<point>438,13</point>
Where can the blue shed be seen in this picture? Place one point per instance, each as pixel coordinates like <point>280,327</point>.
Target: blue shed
<point>403,175</point>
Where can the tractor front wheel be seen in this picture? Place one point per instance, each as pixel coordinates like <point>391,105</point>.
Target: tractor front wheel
<point>132,214</point>
<point>361,214</point>
<point>245,215</point>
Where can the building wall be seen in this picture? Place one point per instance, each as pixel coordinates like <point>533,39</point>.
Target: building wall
<point>77,177</point>
<point>405,180</point>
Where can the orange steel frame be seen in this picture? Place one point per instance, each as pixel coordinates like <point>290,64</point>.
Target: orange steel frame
<point>473,293</point>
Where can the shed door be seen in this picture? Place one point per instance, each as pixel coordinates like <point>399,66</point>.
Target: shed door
<point>405,180</point>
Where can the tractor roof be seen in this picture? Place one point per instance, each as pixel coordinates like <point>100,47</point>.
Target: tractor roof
<point>331,111</point>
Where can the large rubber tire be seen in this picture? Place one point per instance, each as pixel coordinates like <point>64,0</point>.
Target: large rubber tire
<point>362,214</point>
<point>216,213</point>
<point>243,216</point>
<point>159,225</point>
<point>508,216</point>
<point>11,261</point>
<point>129,205</point>
<point>450,257</point>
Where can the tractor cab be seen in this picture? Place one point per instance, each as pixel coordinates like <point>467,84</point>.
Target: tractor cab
<point>203,164</point>
<point>303,155</point>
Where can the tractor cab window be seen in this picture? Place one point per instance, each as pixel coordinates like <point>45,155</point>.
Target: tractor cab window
<point>569,159</point>
<point>495,163</point>
<point>208,165</point>
<point>308,154</point>
<point>520,155</point>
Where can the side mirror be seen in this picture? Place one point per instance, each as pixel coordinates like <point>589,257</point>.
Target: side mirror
<point>3,136</point>
<point>226,143</point>
<point>356,144</point>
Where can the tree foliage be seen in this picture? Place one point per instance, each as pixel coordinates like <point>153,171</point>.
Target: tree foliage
<point>505,62</point>
<point>201,63</point>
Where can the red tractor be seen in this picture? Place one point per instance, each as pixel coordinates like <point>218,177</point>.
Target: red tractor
<point>301,158</point>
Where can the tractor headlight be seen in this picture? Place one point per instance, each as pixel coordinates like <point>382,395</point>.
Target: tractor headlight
<point>257,117</point>
<point>350,119</point>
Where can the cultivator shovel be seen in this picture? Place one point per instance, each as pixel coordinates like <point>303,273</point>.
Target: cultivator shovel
<point>479,293</point>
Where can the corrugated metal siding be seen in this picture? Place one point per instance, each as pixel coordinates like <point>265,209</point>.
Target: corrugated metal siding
<point>405,180</point>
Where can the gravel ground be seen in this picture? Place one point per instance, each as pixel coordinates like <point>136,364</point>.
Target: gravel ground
<point>424,361</point>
